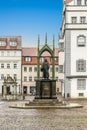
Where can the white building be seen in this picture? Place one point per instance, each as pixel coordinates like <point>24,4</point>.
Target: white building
<point>10,61</point>
<point>74,35</point>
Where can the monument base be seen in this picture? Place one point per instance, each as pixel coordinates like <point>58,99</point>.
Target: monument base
<point>45,89</point>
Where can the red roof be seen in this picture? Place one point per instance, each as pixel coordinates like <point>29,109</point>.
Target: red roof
<point>33,52</point>
<point>68,1</point>
<point>7,39</point>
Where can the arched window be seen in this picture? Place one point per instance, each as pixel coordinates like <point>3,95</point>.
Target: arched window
<point>81,40</point>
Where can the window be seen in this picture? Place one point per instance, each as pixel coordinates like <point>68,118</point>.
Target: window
<point>8,53</point>
<point>81,65</point>
<point>25,69</point>
<point>30,69</point>
<point>30,78</point>
<point>82,19</point>
<point>60,68</point>
<point>14,53</point>
<point>41,59</point>
<point>35,78</point>
<point>74,19</point>
<point>81,84</point>
<point>78,2</point>
<point>2,43</point>
<point>15,66</point>
<point>25,78</point>
<point>8,66</point>
<point>81,94</point>
<point>2,53</point>
<point>15,76</point>
<point>85,2</point>
<point>13,43</point>
<point>28,58</point>
<point>2,65</point>
<point>81,40</point>
<point>56,59</point>
<point>35,69</point>
<point>61,45</point>
<point>2,76</point>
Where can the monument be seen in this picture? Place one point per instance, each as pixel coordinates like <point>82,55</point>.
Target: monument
<point>45,87</point>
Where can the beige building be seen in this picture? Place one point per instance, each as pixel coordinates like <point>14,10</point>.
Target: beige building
<point>29,68</point>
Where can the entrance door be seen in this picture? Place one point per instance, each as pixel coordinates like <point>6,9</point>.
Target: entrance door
<point>25,90</point>
<point>8,90</point>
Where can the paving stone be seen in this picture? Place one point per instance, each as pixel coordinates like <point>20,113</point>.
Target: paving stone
<point>42,119</point>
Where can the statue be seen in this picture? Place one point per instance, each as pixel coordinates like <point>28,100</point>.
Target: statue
<point>45,68</point>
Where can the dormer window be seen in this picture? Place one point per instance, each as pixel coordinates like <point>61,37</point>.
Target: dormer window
<point>81,40</point>
<point>2,43</point>
<point>13,43</point>
<point>28,58</point>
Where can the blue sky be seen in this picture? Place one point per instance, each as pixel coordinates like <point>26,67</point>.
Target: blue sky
<point>28,18</point>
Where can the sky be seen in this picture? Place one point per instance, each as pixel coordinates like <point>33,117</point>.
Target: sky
<point>30,18</point>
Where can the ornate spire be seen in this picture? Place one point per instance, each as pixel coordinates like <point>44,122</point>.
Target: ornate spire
<point>53,42</point>
<point>38,39</point>
<point>38,42</point>
<point>46,39</point>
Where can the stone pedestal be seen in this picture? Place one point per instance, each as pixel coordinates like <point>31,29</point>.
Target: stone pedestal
<point>45,89</point>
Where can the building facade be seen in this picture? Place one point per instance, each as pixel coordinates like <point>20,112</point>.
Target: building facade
<point>74,37</point>
<point>29,68</point>
<point>10,61</point>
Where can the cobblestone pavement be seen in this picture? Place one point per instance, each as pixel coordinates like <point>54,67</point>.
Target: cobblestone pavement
<point>42,119</point>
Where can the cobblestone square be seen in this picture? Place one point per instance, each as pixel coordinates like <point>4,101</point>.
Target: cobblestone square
<point>42,119</point>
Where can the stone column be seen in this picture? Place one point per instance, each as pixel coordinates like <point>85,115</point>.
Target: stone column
<point>5,92</point>
<point>15,92</point>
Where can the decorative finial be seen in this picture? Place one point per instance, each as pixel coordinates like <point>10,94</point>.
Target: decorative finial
<point>53,41</point>
<point>38,39</point>
<point>46,39</point>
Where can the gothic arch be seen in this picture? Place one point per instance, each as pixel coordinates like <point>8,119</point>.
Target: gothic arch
<point>50,49</point>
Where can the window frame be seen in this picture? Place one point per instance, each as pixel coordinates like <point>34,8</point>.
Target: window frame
<point>2,43</point>
<point>28,59</point>
<point>13,43</point>
<point>8,66</point>
<point>2,76</point>
<point>30,78</point>
<point>73,20</point>
<point>15,66</point>
<point>81,84</point>
<point>79,42</point>
<point>82,19</point>
<point>25,78</point>
<point>2,65</point>
<point>30,69</point>
<point>81,67</point>
<point>60,70</point>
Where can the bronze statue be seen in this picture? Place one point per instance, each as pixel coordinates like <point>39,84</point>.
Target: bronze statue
<point>45,69</point>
